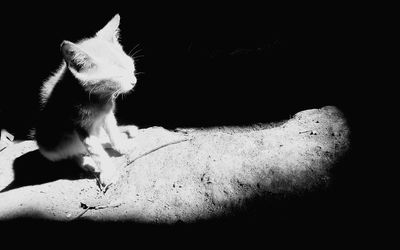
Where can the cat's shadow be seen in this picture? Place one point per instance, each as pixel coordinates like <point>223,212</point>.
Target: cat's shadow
<point>33,169</point>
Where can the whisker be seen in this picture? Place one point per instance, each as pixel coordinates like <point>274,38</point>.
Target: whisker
<point>113,95</point>
<point>138,56</point>
<point>137,45</point>
<point>91,90</point>
<point>137,51</point>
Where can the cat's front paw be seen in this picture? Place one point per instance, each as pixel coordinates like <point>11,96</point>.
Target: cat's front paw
<point>109,173</point>
<point>88,164</point>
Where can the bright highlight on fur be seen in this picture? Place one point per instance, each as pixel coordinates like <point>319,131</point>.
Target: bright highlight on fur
<point>96,59</point>
<point>78,101</point>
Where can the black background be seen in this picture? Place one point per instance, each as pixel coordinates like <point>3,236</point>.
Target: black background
<point>204,65</point>
<point>201,65</point>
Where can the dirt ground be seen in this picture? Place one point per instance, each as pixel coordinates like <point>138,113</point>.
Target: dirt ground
<point>204,174</point>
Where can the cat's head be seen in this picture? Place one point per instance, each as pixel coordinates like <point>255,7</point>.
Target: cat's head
<point>100,63</point>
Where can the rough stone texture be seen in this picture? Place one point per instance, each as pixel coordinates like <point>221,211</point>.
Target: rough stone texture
<point>217,172</point>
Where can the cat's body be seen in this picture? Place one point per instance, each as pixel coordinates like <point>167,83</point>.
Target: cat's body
<point>79,102</point>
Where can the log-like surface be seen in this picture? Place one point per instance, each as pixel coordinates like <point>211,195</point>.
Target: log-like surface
<point>215,172</point>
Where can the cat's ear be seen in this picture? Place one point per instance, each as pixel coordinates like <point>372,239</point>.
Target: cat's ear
<point>110,32</point>
<point>75,57</point>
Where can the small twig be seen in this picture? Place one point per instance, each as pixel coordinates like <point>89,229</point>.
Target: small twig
<point>312,132</point>
<point>81,214</point>
<point>6,139</point>
<point>155,149</point>
<point>87,208</point>
<point>105,188</point>
<point>98,182</point>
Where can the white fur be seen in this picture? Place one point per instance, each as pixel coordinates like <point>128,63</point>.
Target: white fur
<point>49,84</point>
<point>107,54</point>
<point>102,58</point>
<point>111,63</point>
<point>75,147</point>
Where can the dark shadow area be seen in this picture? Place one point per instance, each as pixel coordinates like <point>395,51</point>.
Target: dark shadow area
<point>197,67</point>
<point>304,213</point>
<point>200,67</point>
<point>308,216</point>
<point>33,169</point>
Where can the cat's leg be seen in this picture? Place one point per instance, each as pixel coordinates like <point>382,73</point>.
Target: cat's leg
<point>107,169</point>
<point>70,147</point>
<point>105,140</point>
<point>118,140</point>
<point>87,163</point>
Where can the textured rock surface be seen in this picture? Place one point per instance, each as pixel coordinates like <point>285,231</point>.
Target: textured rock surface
<point>216,172</point>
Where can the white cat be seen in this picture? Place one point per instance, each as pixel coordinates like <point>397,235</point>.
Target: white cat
<point>78,101</point>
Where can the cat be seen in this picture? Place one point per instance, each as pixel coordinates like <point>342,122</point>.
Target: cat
<point>78,102</point>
